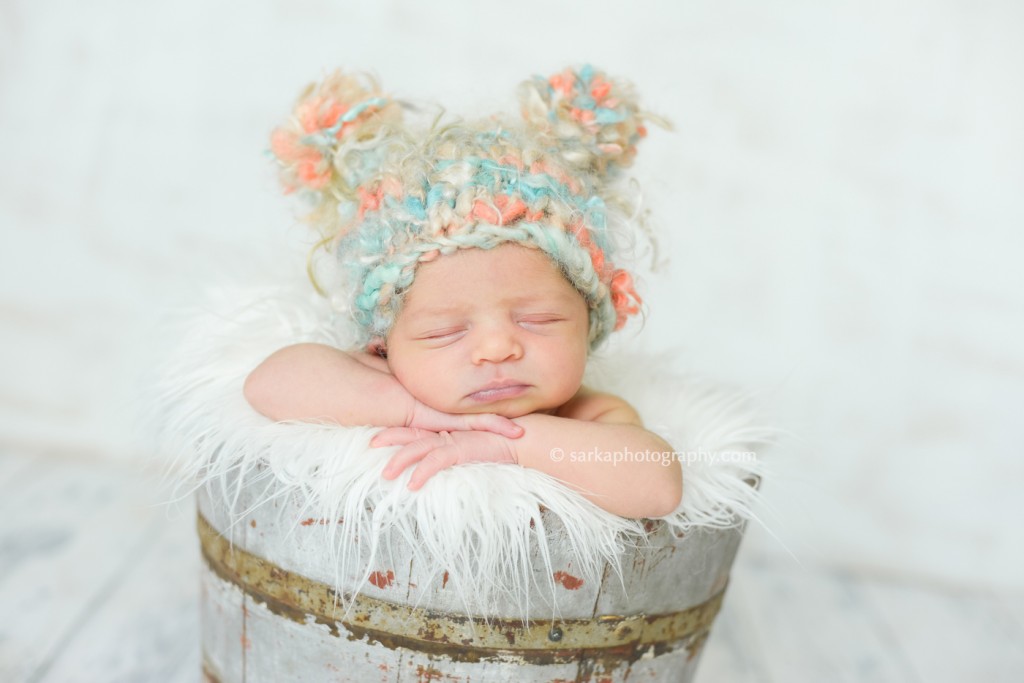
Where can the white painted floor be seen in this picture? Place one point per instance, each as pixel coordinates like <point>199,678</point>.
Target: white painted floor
<point>98,583</point>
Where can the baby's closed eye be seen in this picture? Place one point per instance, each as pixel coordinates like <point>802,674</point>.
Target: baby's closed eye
<point>540,319</point>
<point>442,334</point>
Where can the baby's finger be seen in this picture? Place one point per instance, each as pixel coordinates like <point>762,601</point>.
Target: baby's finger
<point>408,454</point>
<point>435,461</point>
<point>488,422</point>
<point>398,436</point>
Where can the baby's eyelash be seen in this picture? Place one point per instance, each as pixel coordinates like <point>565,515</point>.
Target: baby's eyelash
<point>441,334</point>
<point>540,320</point>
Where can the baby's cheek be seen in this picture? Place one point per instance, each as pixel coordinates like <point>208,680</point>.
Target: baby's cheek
<point>425,392</point>
<point>567,373</point>
<point>567,393</point>
<point>432,390</point>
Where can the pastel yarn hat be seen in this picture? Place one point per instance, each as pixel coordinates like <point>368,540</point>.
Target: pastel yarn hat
<point>387,198</point>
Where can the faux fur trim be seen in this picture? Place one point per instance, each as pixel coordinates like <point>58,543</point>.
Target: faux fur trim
<point>481,518</point>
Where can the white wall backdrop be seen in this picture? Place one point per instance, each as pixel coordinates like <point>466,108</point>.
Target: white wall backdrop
<point>840,205</point>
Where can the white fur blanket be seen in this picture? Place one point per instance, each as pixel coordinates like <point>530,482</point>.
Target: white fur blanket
<point>480,515</point>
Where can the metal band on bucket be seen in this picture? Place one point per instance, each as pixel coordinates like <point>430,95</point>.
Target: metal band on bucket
<point>455,636</point>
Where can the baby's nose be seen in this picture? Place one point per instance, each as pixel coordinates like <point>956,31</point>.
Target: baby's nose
<point>496,346</point>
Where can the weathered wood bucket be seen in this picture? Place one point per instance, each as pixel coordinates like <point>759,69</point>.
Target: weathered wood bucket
<point>269,611</point>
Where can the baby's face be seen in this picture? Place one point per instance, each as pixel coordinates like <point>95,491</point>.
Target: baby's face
<point>490,331</point>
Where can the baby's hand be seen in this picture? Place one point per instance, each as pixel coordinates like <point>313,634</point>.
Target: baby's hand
<point>434,451</point>
<point>426,418</point>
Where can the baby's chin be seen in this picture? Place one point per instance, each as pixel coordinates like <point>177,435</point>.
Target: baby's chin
<point>511,409</point>
<point>513,413</point>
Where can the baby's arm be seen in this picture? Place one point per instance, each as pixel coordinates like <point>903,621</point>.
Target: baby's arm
<point>591,424</point>
<point>581,451</point>
<point>317,382</point>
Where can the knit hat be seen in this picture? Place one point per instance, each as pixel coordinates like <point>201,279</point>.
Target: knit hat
<point>387,198</point>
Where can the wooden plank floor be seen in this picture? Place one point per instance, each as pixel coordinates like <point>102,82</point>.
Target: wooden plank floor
<point>99,583</point>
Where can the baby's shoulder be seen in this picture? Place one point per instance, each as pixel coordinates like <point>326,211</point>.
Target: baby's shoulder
<point>598,406</point>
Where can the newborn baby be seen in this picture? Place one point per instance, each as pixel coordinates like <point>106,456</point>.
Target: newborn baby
<point>477,262</point>
<point>484,363</point>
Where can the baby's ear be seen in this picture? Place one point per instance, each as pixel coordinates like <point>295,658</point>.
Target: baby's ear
<point>378,347</point>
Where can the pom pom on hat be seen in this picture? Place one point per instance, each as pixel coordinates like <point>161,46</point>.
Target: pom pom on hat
<point>594,120</point>
<point>330,137</point>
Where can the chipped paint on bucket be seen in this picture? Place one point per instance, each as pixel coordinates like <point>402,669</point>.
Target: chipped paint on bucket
<point>270,613</point>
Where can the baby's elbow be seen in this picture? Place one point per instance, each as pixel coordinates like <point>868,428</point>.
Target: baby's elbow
<point>267,387</point>
<point>252,386</point>
<point>659,500</point>
<point>669,496</point>
<point>256,391</point>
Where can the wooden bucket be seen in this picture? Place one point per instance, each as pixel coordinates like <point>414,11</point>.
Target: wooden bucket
<point>269,612</point>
